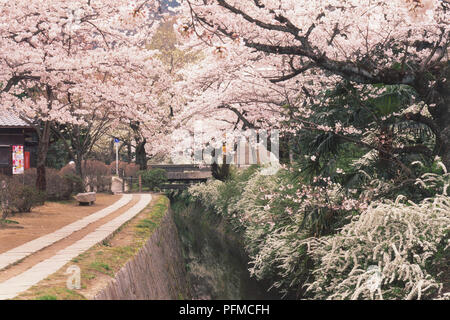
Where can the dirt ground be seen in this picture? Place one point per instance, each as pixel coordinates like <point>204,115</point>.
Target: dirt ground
<point>48,218</point>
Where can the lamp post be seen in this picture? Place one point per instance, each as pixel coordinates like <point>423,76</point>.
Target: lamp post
<point>116,142</point>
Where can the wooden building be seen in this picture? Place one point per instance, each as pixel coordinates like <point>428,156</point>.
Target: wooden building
<point>16,132</point>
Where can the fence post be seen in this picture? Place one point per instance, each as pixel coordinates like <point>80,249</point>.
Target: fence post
<point>140,183</point>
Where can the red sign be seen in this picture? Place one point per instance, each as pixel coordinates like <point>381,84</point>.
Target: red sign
<point>27,160</point>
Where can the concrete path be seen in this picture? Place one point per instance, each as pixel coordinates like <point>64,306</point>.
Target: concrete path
<point>22,282</point>
<point>16,254</point>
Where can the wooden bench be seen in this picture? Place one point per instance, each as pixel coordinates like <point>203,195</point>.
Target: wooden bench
<point>86,199</point>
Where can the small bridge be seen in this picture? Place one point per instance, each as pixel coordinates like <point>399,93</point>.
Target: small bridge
<point>181,176</point>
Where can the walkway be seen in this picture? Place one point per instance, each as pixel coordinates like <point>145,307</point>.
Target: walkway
<point>23,281</point>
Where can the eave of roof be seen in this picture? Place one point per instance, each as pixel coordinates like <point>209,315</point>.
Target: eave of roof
<point>11,120</point>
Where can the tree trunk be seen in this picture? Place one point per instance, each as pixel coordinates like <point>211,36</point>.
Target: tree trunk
<point>129,152</point>
<point>141,155</point>
<point>385,161</point>
<point>79,170</point>
<point>44,141</point>
<point>445,151</point>
<point>440,97</point>
<point>112,151</point>
<point>443,124</point>
<point>291,144</point>
<point>442,116</point>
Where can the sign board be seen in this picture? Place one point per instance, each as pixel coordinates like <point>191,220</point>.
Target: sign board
<point>116,140</point>
<point>18,161</point>
<point>27,160</point>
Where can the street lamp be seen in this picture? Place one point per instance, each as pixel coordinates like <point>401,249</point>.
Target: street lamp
<point>116,143</point>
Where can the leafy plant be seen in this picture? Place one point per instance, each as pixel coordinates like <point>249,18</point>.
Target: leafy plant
<point>153,178</point>
<point>27,198</point>
<point>404,240</point>
<point>17,197</point>
<point>75,183</point>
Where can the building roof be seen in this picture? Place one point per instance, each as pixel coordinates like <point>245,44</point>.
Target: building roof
<point>11,120</point>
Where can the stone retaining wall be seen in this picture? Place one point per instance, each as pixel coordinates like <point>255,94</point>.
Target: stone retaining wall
<point>156,272</point>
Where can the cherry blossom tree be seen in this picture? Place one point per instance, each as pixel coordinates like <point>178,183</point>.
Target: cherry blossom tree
<point>309,46</point>
<point>58,55</point>
<point>79,139</point>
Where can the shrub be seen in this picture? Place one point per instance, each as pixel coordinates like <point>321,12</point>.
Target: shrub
<point>98,175</point>
<point>207,193</point>
<point>104,183</point>
<point>403,240</point>
<point>397,238</point>
<point>122,167</point>
<point>26,198</point>
<point>221,171</point>
<point>131,170</point>
<point>315,240</point>
<point>74,183</point>
<point>28,178</point>
<point>68,169</point>
<point>57,187</point>
<point>153,178</point>
<point>17,197</point>
<point>72,180</point>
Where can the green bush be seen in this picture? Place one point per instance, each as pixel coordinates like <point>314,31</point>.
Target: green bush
<point>57,186</point>
<point>74,182</point>
<point>153,178</point>
<point>27,198</point>
<point>17,197</point>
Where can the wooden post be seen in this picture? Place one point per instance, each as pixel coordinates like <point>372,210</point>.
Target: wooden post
<point>140,183</point>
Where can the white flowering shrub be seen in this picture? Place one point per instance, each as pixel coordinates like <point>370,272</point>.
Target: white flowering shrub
<point>207,193</point>
<point>251,206</point>
<point>399,238</point>
<point>271,233</point>
<point>387,250</point>
<point>278,255</point>
<point>270,213</point>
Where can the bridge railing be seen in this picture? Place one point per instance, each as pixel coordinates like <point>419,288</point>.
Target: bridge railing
<point>179,177</point>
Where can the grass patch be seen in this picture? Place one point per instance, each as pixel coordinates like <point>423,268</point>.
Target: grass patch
<point>7,221</point>
<point>146,226</point>
<point>146,223</point>
<point>100,266</point>
<point>88,276</point>
<point>66,201</point>
<point>52,293</point>
<point>47,297</point>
